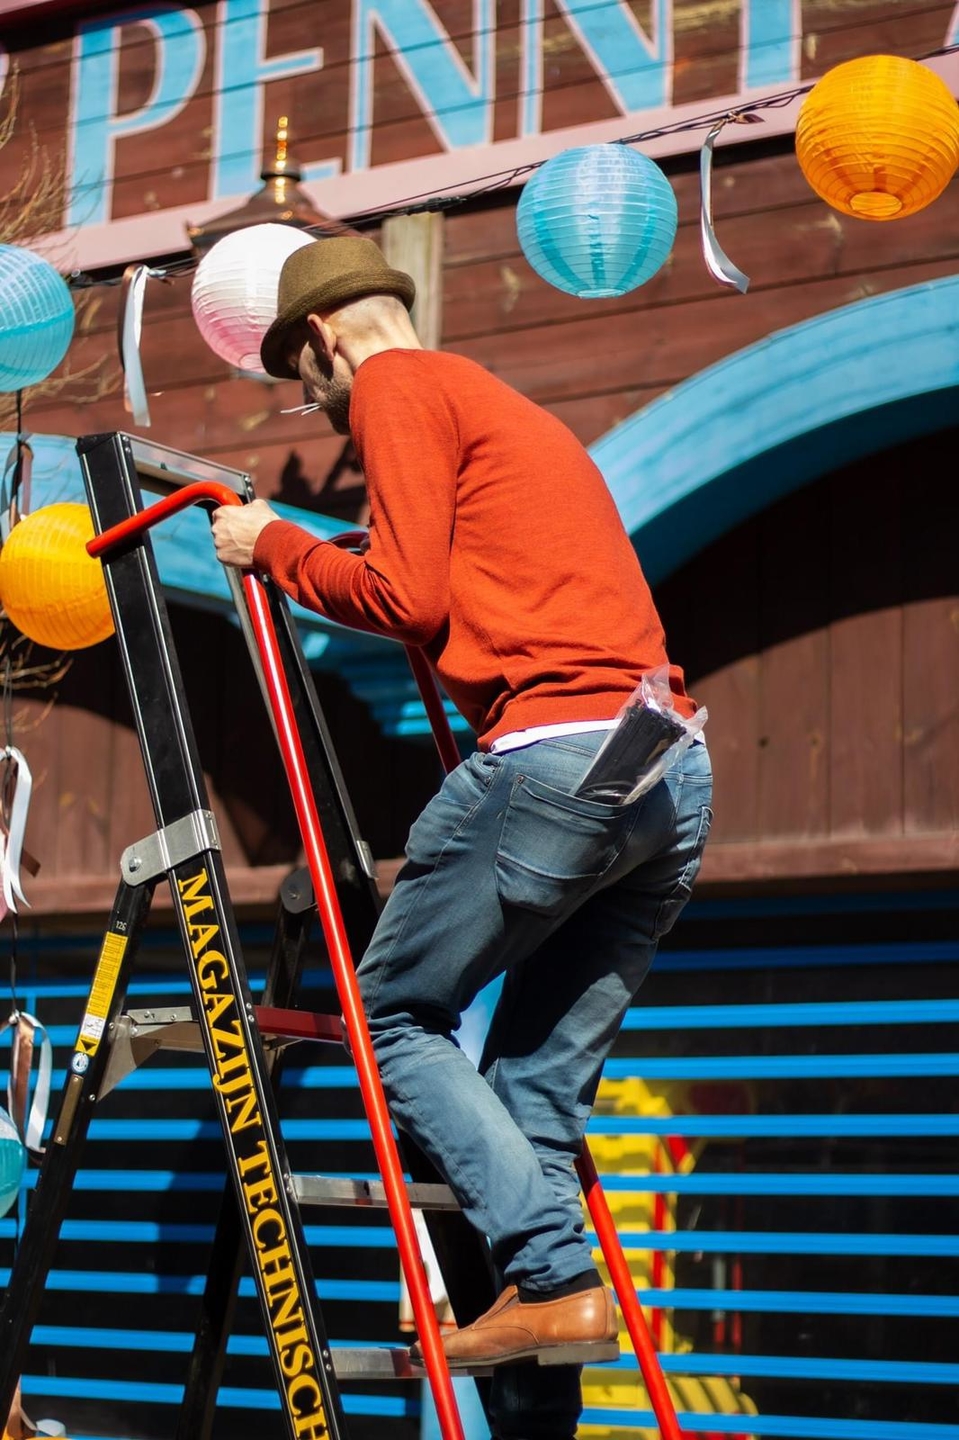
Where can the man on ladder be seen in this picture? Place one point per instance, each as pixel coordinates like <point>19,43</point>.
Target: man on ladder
<point>495,546</point>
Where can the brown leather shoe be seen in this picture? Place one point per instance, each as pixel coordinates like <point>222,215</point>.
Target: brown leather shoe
<point>577,1330</point>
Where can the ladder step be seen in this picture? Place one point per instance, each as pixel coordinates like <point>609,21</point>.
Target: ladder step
<point>176,1028</point>
<point>327,1190</point>
<point>579,1354</point>
<point>384,1364</point>
<point>299,1024</point>
<point>139,1034</point>
<point>584,1354</point>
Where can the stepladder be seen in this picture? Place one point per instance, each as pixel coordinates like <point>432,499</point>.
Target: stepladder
<point>243,1043</point>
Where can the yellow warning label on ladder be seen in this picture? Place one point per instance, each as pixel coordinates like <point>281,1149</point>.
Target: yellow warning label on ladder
<point>101,993</point>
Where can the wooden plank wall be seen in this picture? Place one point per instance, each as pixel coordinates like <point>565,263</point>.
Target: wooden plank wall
<point>793,773</point>
<point>824,637</point>
<point>170,166</point>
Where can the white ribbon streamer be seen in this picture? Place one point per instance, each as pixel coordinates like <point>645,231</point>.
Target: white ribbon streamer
<point>16,485</point>
<point>130,327</point>
<point>32,1125</point>
<point>37,1119</point>
<point>717,261</point>
<point>11,844</point>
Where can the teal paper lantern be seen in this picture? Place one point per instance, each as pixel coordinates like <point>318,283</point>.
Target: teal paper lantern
<point>36,318</point>
<point>597,221</point>
<point>12,1160</point>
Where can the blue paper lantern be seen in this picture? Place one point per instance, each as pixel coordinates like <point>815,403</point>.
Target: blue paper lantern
<point>597,221</point>
<point>36,318</point>
<point>12,1160</point>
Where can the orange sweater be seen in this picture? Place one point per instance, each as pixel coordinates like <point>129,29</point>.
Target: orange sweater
<point>494,544</point>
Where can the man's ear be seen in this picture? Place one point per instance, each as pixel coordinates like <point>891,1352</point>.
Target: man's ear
<point>324,335</point>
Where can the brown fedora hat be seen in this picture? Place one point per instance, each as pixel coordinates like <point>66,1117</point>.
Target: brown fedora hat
<point>320,277</point>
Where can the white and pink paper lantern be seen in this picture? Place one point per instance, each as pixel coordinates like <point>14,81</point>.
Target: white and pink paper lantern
<point>234,290</point>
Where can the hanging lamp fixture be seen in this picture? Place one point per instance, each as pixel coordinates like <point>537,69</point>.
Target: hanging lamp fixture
<point>281,200</point>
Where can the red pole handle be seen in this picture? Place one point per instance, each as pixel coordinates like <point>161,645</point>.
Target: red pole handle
<point>652,1373</point>
<point>211,492</point>
<point>433,701</point>
<point>334,930</point>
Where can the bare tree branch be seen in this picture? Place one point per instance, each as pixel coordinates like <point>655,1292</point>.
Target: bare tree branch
<point>34,206</point>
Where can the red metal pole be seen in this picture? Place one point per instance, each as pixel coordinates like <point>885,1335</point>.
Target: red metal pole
<point>204,491</point>
<point>433,701</point>
<point>652,1373</point>
<point>324,888</point>
<point>653,1378</point>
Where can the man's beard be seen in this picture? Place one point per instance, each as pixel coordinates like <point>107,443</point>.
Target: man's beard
<point>330,392</point>
<point>336,405</point>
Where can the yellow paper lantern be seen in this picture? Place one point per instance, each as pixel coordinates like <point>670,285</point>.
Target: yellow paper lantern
<point>49,586</point>
<point>878,137</point>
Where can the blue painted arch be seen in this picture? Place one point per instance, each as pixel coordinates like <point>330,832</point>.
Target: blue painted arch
<point>736,437</point>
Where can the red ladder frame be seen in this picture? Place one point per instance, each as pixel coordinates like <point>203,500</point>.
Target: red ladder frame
<point>211,493</point>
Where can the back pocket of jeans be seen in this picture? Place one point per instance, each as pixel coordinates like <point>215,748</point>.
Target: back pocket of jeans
<point>554,846</point>
<point>674,904</point>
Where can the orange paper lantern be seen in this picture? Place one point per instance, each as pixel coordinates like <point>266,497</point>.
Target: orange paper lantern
<point>49,586</point>
<point>878,137</point>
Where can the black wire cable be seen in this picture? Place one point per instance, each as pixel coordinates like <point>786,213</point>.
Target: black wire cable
<point>341,133</point>
<point>485,184</point>
<point>345,132</point>
<point>108,20</point>
<point>442,41</point>
<point>16,1007</point>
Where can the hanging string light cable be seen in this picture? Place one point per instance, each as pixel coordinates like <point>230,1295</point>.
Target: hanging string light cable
<point>483,185</point>
<point>341,133</point>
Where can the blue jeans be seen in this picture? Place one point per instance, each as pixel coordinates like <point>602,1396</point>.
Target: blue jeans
<point>506,870</point>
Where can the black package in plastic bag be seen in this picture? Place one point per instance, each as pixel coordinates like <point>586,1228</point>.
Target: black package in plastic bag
<point>648,736</point>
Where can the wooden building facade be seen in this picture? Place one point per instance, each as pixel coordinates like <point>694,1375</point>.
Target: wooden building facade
<point>594,364</point>
<point>785,461</point>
